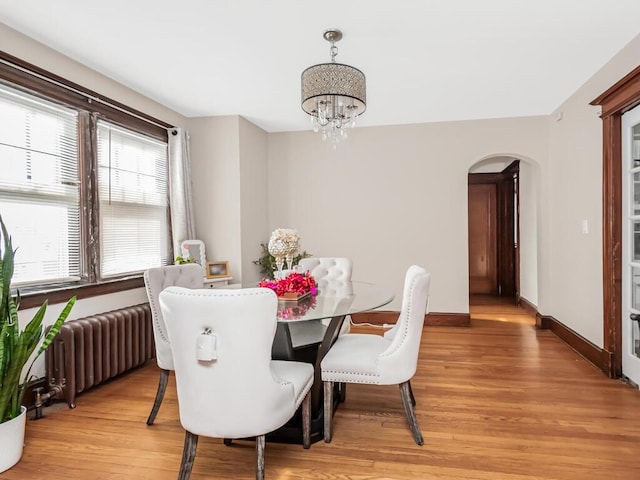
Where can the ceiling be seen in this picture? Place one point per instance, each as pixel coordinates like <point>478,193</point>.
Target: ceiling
<point>425,60</point>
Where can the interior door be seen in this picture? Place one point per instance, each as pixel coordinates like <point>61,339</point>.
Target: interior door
<point>483,266</point>
<point>631,245</point>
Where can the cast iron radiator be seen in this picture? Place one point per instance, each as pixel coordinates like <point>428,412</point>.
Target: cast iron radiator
<point>94,349</point>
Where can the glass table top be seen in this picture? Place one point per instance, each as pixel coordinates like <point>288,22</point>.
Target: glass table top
<point>333,300</point>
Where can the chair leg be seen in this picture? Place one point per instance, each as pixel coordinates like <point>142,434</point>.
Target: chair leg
<point>328,411</point>
<point>306,421</point>
<point>413,399</point>
<point>260,457</point>
<point>162,386</point>
<point>405,392</point>
<point>188,455</point>
<point>342,392</point>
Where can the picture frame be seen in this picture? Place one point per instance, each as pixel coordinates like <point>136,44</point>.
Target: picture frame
<point>217,269</point>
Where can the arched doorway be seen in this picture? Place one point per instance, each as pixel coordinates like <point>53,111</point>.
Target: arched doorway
<point>503,223</point>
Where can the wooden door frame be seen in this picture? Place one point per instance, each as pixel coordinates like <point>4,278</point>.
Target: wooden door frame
<point>510,191</point>
<point>507,253</point>
<point>618,99</point>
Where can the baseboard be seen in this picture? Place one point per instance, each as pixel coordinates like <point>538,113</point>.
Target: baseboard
<point>599,357</point>
<point>432,319</point>
<point>594,354</point>
<point>439,319</point>
<point>527,306</point>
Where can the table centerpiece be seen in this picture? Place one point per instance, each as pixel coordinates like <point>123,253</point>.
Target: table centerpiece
<point>283,245</point>
<point>294,286</point>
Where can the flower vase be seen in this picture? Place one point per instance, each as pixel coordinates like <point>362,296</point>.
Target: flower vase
<point>289,259</point>
<point>279,266</point>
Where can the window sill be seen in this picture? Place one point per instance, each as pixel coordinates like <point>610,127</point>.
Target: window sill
<point>62,294</point>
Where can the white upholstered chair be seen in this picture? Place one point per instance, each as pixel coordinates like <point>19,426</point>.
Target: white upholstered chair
<point>228,385</point>
<point>334,271</point>
<point>155,280</point>
<point>374,359</point>
<point>330,273</point>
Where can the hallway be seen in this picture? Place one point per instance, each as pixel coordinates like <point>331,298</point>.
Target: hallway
<point>492,307</point>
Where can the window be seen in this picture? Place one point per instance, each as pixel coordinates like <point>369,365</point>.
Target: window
<point>83,182</point>
<point>39,188</point>
<point>132,184</point>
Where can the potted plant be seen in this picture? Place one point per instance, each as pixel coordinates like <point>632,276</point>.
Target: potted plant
<point>180,260</point>
<point>16,349</point>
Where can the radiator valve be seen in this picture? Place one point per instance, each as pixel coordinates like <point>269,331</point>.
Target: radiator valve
<point>41,398</point>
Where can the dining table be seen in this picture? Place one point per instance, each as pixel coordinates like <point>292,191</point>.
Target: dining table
<point>306,330</point>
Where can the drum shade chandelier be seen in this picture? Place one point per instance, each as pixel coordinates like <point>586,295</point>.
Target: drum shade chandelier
<point>333,94</point>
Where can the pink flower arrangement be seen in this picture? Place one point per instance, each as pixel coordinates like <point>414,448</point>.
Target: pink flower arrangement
<point>299,283</point>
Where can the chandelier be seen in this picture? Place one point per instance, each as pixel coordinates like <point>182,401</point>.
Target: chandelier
<point>333,94</point>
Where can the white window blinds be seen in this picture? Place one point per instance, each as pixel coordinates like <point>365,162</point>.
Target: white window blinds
<point>39,188</point>
<point>132,184</point>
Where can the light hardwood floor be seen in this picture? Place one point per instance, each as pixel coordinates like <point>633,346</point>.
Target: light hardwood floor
<point>497,401</point>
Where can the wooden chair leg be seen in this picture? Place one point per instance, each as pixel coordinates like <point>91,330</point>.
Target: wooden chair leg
<point>408,410</point>
<point>342,392</point>
<point>328,411</point>
<point>413,399</point>
<point>162,386</point>
<point>306,421</point>
<point>188,455</point>
<point>260,441</point>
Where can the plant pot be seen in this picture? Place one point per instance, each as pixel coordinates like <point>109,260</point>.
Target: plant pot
<point>12,440</point>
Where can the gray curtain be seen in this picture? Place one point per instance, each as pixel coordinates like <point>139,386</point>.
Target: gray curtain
<point>180,195</point>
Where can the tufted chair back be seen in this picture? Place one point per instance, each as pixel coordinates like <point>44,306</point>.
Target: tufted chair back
<point>329,272</point>
<point>399,360</point>
<point>189,275</point>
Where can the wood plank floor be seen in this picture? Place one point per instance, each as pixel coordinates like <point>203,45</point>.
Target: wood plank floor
<point>497,401</point>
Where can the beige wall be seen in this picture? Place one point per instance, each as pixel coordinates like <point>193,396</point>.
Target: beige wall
<point>215,168</point>
<point>229,168</point>
<point>254,197</point>
<point>572,285</point>
<point>393,196</point>
<point>528,241</point>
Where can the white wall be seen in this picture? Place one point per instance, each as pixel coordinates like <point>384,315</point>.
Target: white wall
<point>393,196</point>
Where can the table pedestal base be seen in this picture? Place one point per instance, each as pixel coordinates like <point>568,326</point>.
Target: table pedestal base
<point>282,349</point>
